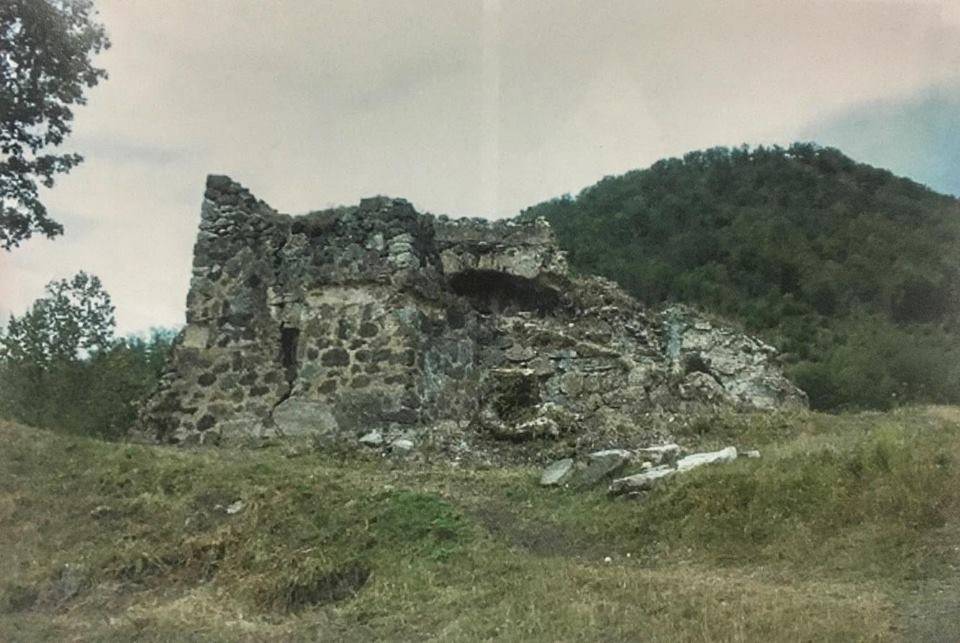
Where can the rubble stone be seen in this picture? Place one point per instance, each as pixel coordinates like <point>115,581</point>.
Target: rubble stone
<point>557,473</point>
<point>343,322</point>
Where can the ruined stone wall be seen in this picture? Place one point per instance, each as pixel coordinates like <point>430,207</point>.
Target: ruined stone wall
<point>378,323</point>
<point>526,250</point>
<point>226,373</point>
<point>312,324</point>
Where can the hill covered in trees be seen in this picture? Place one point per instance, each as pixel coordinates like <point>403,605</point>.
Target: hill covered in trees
<point>848,269</point>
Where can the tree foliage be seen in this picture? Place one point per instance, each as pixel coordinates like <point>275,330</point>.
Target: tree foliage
<point>850,270</point>
<point>46,52</point>
<point>75,317</point>
<point>61,367</point>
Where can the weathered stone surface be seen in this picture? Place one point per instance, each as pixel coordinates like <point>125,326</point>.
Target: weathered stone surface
<point>659,454</point>
<point>699,459</point>
<point>646,480</point>
<point>557,473</point>
<point>722,364</point>
<point>643,481</point>
<point>612,455</point>
<point>372,439</point>
<point>600,465</point>
<point>299,417</point>
<point>376,318</point>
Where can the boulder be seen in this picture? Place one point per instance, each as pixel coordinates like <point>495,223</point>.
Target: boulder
<point>557,473</point>
<point>600,465</point>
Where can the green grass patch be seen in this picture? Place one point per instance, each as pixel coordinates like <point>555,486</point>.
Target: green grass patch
<point>422,525</point>
<point>820,538</point>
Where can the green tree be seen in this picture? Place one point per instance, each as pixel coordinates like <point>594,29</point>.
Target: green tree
<point>61,367</point>
<point>74,318</point>
<point>46,64</point>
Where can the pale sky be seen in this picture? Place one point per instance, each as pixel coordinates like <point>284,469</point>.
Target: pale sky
<point>470,108</point>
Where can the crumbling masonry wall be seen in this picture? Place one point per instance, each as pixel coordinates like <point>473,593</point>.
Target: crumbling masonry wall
<point>377,319</point>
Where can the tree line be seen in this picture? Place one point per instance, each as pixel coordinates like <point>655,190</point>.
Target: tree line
<point>850,270</point>
<point>61,365</point>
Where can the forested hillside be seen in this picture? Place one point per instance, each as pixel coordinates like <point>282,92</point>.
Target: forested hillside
<point>848,269</point>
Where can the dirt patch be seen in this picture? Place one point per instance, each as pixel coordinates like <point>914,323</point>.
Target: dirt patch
<point>509,524</point>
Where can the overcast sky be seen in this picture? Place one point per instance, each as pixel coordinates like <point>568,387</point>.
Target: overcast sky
<point>473,107</point>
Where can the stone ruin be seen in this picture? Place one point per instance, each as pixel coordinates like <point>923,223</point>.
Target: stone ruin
<point>375,325</point>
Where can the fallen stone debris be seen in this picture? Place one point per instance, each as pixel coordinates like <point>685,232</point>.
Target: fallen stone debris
<point>654,466</point>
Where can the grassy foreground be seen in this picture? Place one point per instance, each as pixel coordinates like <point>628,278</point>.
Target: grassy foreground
<point>845,529</point>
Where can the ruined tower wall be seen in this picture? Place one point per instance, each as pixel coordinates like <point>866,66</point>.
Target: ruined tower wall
<point>225,370</point>
<point>332,321</point>
<point>378,320</point>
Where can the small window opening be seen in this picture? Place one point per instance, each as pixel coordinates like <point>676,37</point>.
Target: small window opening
<point>289,338</point>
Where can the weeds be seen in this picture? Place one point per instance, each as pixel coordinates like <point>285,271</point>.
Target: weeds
<point>815,540</point>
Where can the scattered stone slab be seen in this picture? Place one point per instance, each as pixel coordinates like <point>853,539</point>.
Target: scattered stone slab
<point>750,454</point>
<point>372,439</point>
<point>660,454</point>
<point>557,473</point>
<point>641,481</point>
<point>699,459</point>
<point>610,454</point>
<point>646,480</point>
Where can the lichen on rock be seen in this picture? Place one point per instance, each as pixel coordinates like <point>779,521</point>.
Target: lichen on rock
<point>464,333</point>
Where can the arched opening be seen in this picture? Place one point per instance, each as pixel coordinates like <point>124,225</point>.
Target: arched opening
<point>493,291</point>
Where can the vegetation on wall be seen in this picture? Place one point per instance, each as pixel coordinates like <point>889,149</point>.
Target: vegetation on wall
<point>851,271</point>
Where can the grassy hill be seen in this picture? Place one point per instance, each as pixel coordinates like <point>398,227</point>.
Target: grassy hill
<point>850,270</point>
<point>845,529</point>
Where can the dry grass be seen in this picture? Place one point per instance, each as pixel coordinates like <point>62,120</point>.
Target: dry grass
<point>823,538</point>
